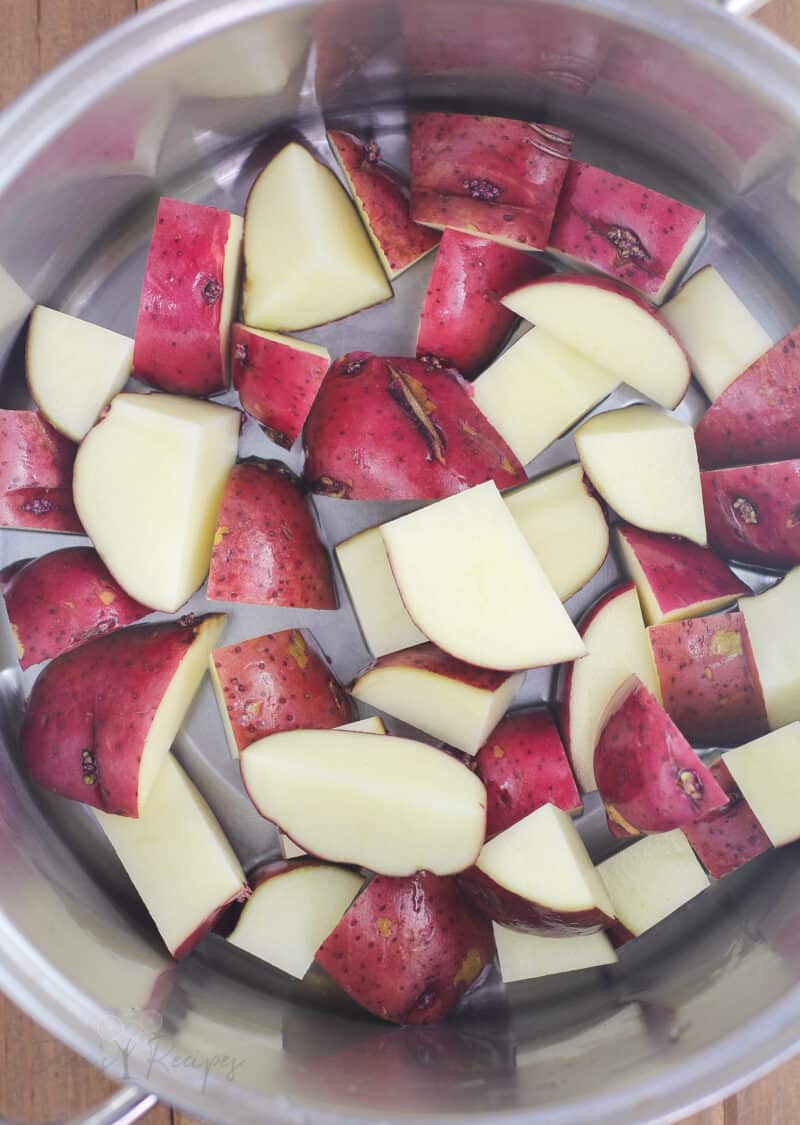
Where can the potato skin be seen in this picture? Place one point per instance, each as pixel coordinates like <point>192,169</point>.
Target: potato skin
<point>408,948</point>
<point>430,658</point>
<point>726,840</point>
<point>709,680</point>
<point>279,682</point>
<point>267,549</point>
<point>517,913</point>
<point>61,600</point>
<point>756,418</point>
<point>36,474</point>
<point>390,428</point>
<point>753,512</point>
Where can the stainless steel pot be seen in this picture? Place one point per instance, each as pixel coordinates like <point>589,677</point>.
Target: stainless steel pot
<point>675,93</point>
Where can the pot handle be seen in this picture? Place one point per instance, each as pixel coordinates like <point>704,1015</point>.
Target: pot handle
<point>742,7</point>
<point>123,1107</point>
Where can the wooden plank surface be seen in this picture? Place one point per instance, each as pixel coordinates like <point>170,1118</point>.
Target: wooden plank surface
<point>41,1080</point>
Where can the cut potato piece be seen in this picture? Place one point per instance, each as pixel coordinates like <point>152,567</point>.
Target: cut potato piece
<point>293,908</point>
<point>564,526</point>
<point>537,389</point>
<point>530,956</point>
<point>721,336</point>
<point>308,259</point>
<point>74,369</point>
<point>148,484</point>
<point>772,620</point>
<point>178,859</point>
<point>767,774</point>
<point>471,583</point>
<point>644,464</point>
<point>389,804</point>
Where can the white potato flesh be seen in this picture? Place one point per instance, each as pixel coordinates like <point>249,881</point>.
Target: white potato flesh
<point>611,329</point>
<point>289,915</point>
<point>651,879</point>
<point>458,713</point>
<point>714,325</point>
<point>389,804</point>
<point>543,859</point>
<point>292,342</point>
<point>530,956</point>
<point>618,647</point>
<point>773,625</point>
<point>176,855</point>
<point>374,595</point>
<point>564,526</point>
<point>231,272</point>
<point>644,464</point>
<point>767,772</point>
<point>471,583</point>
<point>537,389</point>
<point>74,369</point>
<point>148,484</point>
<point>308,259</point>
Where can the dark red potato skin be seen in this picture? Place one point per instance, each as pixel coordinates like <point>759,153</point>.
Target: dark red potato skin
<point>177,344</point>
<point>492,176</point>
<point>279,682</point>
<point>91,709</point>
<point>753,513</point>
<point>463,322</point>
<point>523,765</point>
<point>709,680</point>
<point>57,602</point>
<point>267,550</point>
<point>408,949</point>
<point>429,658</point>
<point>756,418</point>
<point>517,913</point>
<point>35,474</point>
<point>385,201</point>
<point>400,429</point>
<point>648,775</point>
<point>726,840</point>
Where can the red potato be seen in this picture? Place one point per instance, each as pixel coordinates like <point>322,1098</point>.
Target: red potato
<point>674,577</point>
<point>462,322</point>
<point>57,602</point>
<point>709,680</point>
<point>624,230</point>
<point>648,775</point>
<point>408,949</point>
<point>757,417</point>
<point>267,550</point>
<point>726,840</point>
<point>753,512</point>
<point>35,474</point>
<point>188,298</point>
<point>523,766</point>
<point>101,719</point>
<point>400,429</point>
<point>382,200</point>
<point>490,176</point>
<point>276,682</point>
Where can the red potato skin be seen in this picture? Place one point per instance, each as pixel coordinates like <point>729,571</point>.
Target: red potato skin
<point>385,201</point>
<point>279,682</point>
<point>491,176</point>
<point>523,765</point>
<point>429,658</point>
<point>408,949</point>
<point>517,913</point>
<point>400,429</point>
<point>214,923</point>
<point>35,474</point>
<point>624,230</point>
<point>267,550</point>
<point>709,680</point>
<point>91,709</point>
<point>276,383</point>
<point>61,600</point>
<point>649,777</point>
<point>462,323</point>
<point>726,840</point>
<point>681,574</point>
<point>753,513</point>
<point>756,418</point>
<point>177,344</point>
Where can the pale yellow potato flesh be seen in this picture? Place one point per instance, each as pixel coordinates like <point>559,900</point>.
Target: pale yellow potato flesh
<point>767,772</point>
<point>772,620</point>
<point>530,956</point>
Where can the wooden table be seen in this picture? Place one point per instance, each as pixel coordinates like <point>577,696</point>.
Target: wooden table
<point>41,1080</point>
